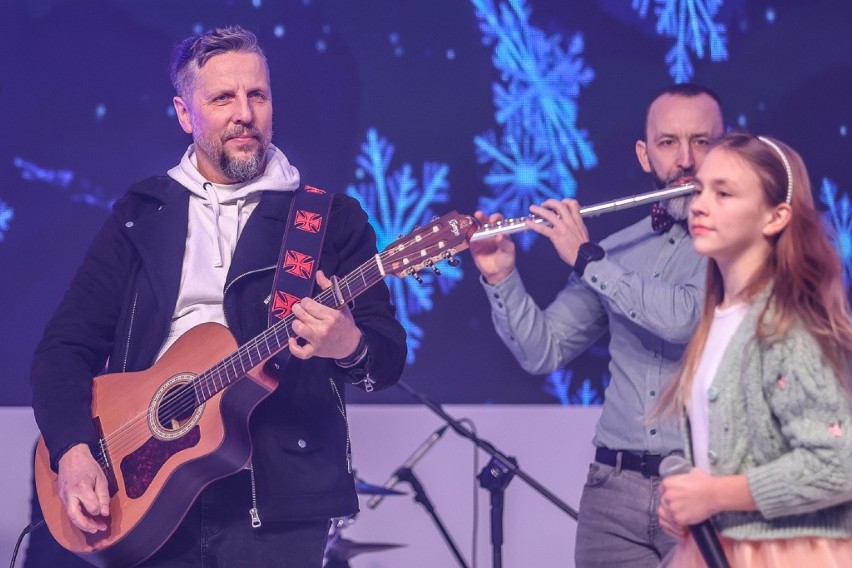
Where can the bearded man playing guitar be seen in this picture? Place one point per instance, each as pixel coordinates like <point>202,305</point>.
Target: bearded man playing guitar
<point>248,475</point>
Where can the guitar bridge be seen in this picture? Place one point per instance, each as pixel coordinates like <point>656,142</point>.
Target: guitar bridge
<point>103,459</point>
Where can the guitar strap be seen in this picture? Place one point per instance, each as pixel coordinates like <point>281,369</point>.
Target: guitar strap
<point>300,252</point>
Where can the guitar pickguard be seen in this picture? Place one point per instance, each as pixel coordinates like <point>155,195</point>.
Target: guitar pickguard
<point>141,466</point>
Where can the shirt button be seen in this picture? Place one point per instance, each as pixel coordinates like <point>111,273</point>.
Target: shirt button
<point>302,444</point>
<point>653,393</point>
<point>499,304</point>
<point>656,355</point>
<point>712,457</point>
<point>653,431</point>
<point>633,315</point>
<point>671,241</point>
<point>712,394</point>
<point>603,286</point>
<point>656,274</point>
<point>496,295</point>
<point>594,278</point>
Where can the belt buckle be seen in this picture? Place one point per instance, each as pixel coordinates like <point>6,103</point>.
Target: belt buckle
<point>644,466</point>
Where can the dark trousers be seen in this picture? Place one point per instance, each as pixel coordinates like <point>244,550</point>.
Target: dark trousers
<point>217,533</point>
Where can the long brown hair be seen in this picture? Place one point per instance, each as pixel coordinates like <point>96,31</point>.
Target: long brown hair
<point>803,270</point>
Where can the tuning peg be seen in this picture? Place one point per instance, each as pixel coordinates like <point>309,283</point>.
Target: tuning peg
<point>431,265</point>
<point>417,277</point>
<point>453,261</point>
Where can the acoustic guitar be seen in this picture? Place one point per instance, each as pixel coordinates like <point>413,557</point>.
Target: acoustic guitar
<point>167,432</point>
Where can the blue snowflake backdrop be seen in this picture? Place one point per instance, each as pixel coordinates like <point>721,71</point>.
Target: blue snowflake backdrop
<point>414,109</point>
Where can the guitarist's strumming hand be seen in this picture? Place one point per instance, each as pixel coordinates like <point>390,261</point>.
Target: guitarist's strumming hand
<point>83,489</point>
<point>326,332</point>
<point>495,258</point>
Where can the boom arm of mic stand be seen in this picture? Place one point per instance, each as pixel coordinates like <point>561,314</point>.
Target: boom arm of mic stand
<point>489,448</point>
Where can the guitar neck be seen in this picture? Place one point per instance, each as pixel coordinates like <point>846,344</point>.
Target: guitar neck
<point>275,338</point>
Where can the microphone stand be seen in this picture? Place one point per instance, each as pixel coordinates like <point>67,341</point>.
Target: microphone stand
<point>407,475</point>
<point>501,468</point>
<point>494,477</point>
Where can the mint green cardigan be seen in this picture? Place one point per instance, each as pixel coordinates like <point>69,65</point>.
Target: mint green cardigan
<point>779,415</point>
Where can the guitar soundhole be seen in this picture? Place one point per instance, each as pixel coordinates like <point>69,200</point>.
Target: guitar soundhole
<point>176,408</point>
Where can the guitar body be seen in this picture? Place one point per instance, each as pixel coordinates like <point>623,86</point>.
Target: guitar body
<point>157,470</point>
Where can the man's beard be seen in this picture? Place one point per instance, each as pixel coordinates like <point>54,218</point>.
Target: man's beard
<point>237,170</point>
<point>241,170</point>
<point>664,183</point>
<point>678,207</point>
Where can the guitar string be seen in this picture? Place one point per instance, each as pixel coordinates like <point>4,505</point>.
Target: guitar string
<point>188,399</point>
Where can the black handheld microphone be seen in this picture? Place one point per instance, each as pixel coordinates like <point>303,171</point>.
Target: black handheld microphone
<point>421,450</point>
<point>703,533</point>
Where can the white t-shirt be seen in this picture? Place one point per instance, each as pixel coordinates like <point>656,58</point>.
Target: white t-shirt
<point>725,323</point>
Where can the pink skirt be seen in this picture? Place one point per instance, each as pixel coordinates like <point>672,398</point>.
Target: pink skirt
<point>783,553</point>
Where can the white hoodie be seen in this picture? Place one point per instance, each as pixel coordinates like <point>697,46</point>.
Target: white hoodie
<point>217,215</point>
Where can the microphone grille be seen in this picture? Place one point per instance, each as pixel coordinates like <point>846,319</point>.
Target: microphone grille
<point>674,464</point>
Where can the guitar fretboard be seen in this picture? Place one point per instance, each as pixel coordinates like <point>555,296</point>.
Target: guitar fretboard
<point>275,338</point>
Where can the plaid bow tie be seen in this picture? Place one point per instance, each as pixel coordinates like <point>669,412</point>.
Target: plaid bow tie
<point>661,219</point>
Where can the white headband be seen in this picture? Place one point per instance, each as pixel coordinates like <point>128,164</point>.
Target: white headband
<point>786,162</point>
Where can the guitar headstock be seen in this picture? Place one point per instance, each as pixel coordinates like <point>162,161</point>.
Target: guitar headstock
<point>424,247</point>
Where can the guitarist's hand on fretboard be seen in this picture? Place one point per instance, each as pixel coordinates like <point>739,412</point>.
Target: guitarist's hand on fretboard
<point>83,489</point>
<point>327,332</point>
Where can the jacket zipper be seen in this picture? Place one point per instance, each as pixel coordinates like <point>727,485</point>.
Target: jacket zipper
<point>253,512</point>
<point>342,409</point>
<point>129,332</point>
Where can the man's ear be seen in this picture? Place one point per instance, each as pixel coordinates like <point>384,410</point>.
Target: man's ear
<point>182,111</point>
<point>642,155</point>
<point>779,218</point>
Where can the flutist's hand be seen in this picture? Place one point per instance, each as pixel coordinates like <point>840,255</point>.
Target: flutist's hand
<point>495,258</point>
<point>566,229</point>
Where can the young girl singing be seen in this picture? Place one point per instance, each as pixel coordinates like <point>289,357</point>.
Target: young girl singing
<point>766,378</point>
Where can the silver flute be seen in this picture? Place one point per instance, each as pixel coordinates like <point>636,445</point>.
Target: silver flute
<point>517,224</point>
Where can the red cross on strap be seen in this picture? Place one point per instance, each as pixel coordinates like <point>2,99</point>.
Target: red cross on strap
<point>282,304</point>
<point>298,264</point>
<point>308,221</point>
<point>300,251</point>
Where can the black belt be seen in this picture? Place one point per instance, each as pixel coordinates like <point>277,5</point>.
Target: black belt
<point>646,464</point>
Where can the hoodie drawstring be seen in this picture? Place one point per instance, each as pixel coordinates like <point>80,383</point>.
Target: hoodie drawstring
<point>217,234</point>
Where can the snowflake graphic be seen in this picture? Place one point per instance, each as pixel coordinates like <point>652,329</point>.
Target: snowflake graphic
<point>397,204</point>
<point>6,215</point>
<point>538,143</point>
<point>78,189</point>
<point>839,218</point>
<point>558,384</point>
<point>690,23</point>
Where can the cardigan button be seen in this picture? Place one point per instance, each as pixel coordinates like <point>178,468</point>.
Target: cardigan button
<point>712,394</point>
<point>302,444</point>
<point>128,224</point>
<point>712,457</point>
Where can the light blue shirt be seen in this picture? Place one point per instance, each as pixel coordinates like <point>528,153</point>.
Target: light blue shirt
<point>648,292</point>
